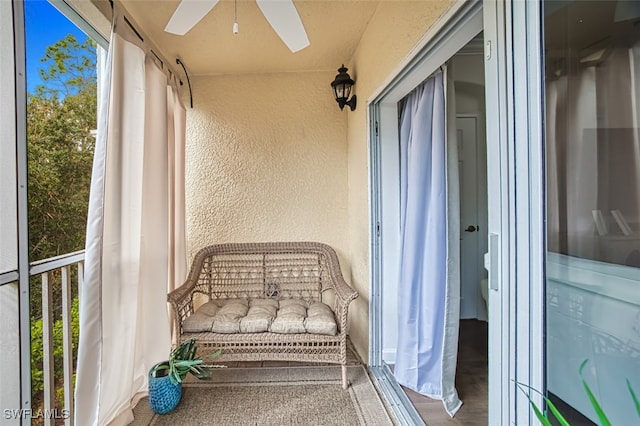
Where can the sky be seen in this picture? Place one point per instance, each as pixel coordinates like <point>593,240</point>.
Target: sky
<point>44,25</point>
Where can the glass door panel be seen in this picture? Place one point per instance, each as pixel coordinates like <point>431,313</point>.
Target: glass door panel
<point>592,147</point>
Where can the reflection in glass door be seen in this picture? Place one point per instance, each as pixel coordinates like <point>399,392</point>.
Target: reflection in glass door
<point>592,146</point>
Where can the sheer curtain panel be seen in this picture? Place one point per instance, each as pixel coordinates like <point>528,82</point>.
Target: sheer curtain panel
<point>8,166</point>
<point>130,247</point>
<point>428,297</point>
<point>176,123</point>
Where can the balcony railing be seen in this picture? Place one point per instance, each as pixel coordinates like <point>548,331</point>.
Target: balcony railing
<point>52,272</point>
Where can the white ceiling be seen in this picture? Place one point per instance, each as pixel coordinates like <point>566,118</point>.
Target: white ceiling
<point>334,28</point>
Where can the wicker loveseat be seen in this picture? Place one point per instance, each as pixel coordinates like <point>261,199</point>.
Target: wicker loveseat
<point>285,281</point>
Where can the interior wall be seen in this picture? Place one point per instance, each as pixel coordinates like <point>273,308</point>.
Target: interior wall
<point>468,68</point>
<point>272,158</point>
<point>266,160</point>
<point>468,75</point>
<point>392,33</point>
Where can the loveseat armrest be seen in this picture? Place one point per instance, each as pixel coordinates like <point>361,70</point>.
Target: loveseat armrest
<point>345,294</point>
<point>181,301</point>
<point>344,291</point>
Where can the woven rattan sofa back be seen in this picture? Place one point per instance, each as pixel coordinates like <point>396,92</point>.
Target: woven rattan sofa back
<point>259,270</point>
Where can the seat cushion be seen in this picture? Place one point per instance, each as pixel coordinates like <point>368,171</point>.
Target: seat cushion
<point>260,316</point>
<point>227,319</point>
<point>197,323</point>
<point>290,317</point>
<point>320,320</point>
<point>202,319</point>
<point>210,308</point>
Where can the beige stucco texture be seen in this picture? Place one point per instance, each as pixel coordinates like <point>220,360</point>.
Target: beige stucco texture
<point>267,161</point>
<point>393,32</point>
<point>270,157</point>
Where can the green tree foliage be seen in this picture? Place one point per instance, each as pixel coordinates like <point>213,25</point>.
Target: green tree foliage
<point>70,68</point>
<point>61,115</point>
<point>37,353</point>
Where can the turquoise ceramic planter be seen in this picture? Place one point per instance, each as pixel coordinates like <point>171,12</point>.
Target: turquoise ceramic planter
<point>164,395</point>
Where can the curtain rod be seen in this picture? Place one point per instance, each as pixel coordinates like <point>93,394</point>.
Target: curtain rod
<point>133,28</point>
<point>178,61</point>
<point>130,25</point>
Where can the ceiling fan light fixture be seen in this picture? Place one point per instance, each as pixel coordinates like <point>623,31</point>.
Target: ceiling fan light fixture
<point>235,17</point>
<point>342,85</point>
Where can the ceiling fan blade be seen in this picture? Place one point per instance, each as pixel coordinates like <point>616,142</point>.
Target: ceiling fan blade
<point>188,14</point>
<point>284,19</point>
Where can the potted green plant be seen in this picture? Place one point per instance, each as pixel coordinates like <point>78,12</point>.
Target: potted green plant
<point>165,378</point>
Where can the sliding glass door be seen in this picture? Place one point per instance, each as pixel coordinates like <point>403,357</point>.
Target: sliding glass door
<point>592,172</point>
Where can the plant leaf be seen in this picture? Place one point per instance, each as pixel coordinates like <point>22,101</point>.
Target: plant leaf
<point>556,413</point>
<point>214,354</point>
<point>554,410</point>
<point>634,397</point>
<point>604,421</point>
<point>541,417</point>
<point>183,360</point>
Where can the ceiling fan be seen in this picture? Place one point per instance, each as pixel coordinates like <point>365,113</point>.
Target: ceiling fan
<point>281,15</point>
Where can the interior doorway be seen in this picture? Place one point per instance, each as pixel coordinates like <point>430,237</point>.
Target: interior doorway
<point>473,206</point>
<point>465,90</point>
<point>466,70</point>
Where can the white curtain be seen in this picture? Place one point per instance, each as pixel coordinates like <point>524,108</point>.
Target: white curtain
<point>8,180</point>
<point>429,286</point>
<point>593,156</point>
<point>634,62</point>
<point>571,106</point>
<point>176,121</point>
<point>124,327</point>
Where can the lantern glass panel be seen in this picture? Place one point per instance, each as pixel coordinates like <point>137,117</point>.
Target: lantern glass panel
<point>346,91</point>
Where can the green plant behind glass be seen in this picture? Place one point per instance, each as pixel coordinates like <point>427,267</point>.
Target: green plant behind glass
<point>545,419</point>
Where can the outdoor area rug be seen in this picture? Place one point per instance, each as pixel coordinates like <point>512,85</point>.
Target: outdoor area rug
<point>274,396</point>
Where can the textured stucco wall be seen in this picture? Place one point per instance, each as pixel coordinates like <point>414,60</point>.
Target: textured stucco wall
<point>266,161</point>
<point>391,35</point>
<point>270,157</point>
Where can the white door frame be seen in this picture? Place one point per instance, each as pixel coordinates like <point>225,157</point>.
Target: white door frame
<point>513,74</point>
<point>461,23</point>
<point>513,82</point>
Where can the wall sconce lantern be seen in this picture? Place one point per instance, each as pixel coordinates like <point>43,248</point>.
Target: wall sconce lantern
<point>342,89</point>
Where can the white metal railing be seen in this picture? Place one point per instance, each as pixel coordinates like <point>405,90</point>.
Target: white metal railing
<point>46,269</point>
